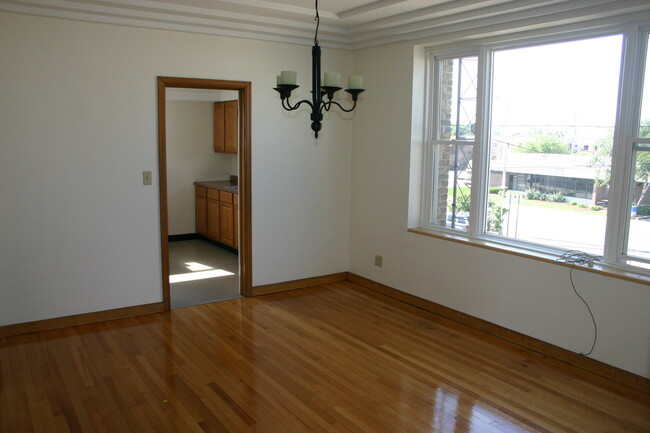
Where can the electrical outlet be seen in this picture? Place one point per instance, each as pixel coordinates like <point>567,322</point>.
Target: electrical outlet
<point>146,178</point>
<point>379,261</point>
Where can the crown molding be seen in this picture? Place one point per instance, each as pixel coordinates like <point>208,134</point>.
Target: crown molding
<point>365,9</point>
<point>442,23</point>
<point>165,16</point>
<point>576,14</point>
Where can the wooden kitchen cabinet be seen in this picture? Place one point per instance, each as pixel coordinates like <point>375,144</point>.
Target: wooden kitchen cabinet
<point>213,217</point>
<point>226,219</point>
<point>226,126</point>
<point>217,214</point>
<point>226,226</point>
<point>200,210</point>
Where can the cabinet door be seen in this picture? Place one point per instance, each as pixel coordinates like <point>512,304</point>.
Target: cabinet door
<point>219,127</point>
<point>213,219</point>
<point>235,226</point>
<point>226,232</point>
<point>200,215</point>
<point>231,126</point>
<point>226,126</point>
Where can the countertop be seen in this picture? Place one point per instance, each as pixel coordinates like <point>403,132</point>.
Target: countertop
<point>224,185</point>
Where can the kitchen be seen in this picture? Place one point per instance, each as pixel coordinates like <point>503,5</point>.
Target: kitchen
<point>203,196</point>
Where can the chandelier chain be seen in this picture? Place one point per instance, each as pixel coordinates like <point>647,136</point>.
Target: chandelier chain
<point>317,19</point>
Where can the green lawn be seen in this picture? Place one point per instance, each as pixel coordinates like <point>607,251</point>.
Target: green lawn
<point>566,207</point>
<point>503,201</point>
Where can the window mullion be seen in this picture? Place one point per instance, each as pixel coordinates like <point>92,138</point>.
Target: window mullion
<point>428,166</point>
<point>480,158</point>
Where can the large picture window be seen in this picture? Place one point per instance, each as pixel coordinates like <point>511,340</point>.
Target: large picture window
<point>534,146</point>
<point>553,113</point>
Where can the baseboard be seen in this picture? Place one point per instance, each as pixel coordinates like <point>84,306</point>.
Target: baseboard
<point>79,319</point>
<point>196,236</point>
<point>184,237</point>
<point>299,284</point>
<point>589,365</point>
<point>218,244</point>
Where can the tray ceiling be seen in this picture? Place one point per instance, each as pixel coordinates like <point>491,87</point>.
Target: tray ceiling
<point>346,24</point>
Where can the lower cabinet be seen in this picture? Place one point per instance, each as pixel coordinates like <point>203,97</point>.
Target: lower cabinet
<point>213,219</point>
<point>217,215</point>
<point>200,210</point>
<point>226,232</point>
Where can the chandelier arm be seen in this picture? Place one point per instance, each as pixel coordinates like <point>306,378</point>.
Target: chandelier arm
<point>325,105</point>
<point>340,106</point>
<point>288,106</point>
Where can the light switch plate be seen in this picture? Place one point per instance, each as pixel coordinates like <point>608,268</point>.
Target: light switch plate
<point>146,178</point>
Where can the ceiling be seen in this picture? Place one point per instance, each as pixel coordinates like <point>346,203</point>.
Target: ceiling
<point>346,24</point>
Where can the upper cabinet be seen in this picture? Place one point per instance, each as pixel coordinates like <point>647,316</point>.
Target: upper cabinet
<point>226,126</point>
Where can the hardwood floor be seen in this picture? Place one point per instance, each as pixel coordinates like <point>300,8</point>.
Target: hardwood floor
<point>333,358</point>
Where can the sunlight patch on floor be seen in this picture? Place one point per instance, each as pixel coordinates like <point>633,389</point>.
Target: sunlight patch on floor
<point>192,276</point>
<point>196,266</point>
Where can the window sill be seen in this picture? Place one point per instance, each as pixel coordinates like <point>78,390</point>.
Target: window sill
<point>598,268</point>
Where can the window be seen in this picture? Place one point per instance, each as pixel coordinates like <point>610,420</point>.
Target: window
<point>638,236</point>
<point>539,146</point>
<point>453,143</point>
<point>549,103</point>
<point>636,243</point>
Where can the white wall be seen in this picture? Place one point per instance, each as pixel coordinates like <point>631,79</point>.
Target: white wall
<point>79,231</point>
<point>524,295</point>
<point>190,157</point>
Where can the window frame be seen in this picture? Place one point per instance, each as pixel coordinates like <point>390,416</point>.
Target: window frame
<point>633,67</point>
<point>432,128</point>
<point>633,60</point>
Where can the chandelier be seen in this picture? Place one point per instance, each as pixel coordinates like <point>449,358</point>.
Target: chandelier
<point>322,94</point>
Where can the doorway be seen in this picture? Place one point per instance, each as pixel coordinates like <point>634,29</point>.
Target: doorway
<point>243,90</point>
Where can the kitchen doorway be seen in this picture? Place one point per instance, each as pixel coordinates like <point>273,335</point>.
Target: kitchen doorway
<point>201,247</point>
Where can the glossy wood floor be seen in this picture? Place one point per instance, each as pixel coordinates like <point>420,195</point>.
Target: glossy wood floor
<point>334,358</point>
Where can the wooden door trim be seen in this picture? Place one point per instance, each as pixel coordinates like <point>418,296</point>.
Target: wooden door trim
<point>244,155</point>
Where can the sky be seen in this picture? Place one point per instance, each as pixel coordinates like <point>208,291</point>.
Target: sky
<point>573,83</point>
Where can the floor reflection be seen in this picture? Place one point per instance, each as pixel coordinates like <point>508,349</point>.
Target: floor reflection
<point>457,414</point>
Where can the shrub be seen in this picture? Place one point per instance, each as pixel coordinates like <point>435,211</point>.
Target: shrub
<point>582,205</point>
<point>596,208</point>
<point>533,194</point>
<point>494,190</point>
<point>573,203</point>
<point>557,197</point>
<point>495,216</point>
<point>643,210</point>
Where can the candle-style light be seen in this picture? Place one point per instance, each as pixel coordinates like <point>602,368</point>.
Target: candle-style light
<point>286,83</point>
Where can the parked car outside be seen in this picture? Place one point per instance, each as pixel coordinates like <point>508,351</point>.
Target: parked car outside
<point>461,222</point>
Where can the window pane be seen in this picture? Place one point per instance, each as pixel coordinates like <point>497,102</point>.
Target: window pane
<point>456,98</point>
<point>553,114</point>
<point>638,241</point>
<point>452,185</point>
<point>457,111</point>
